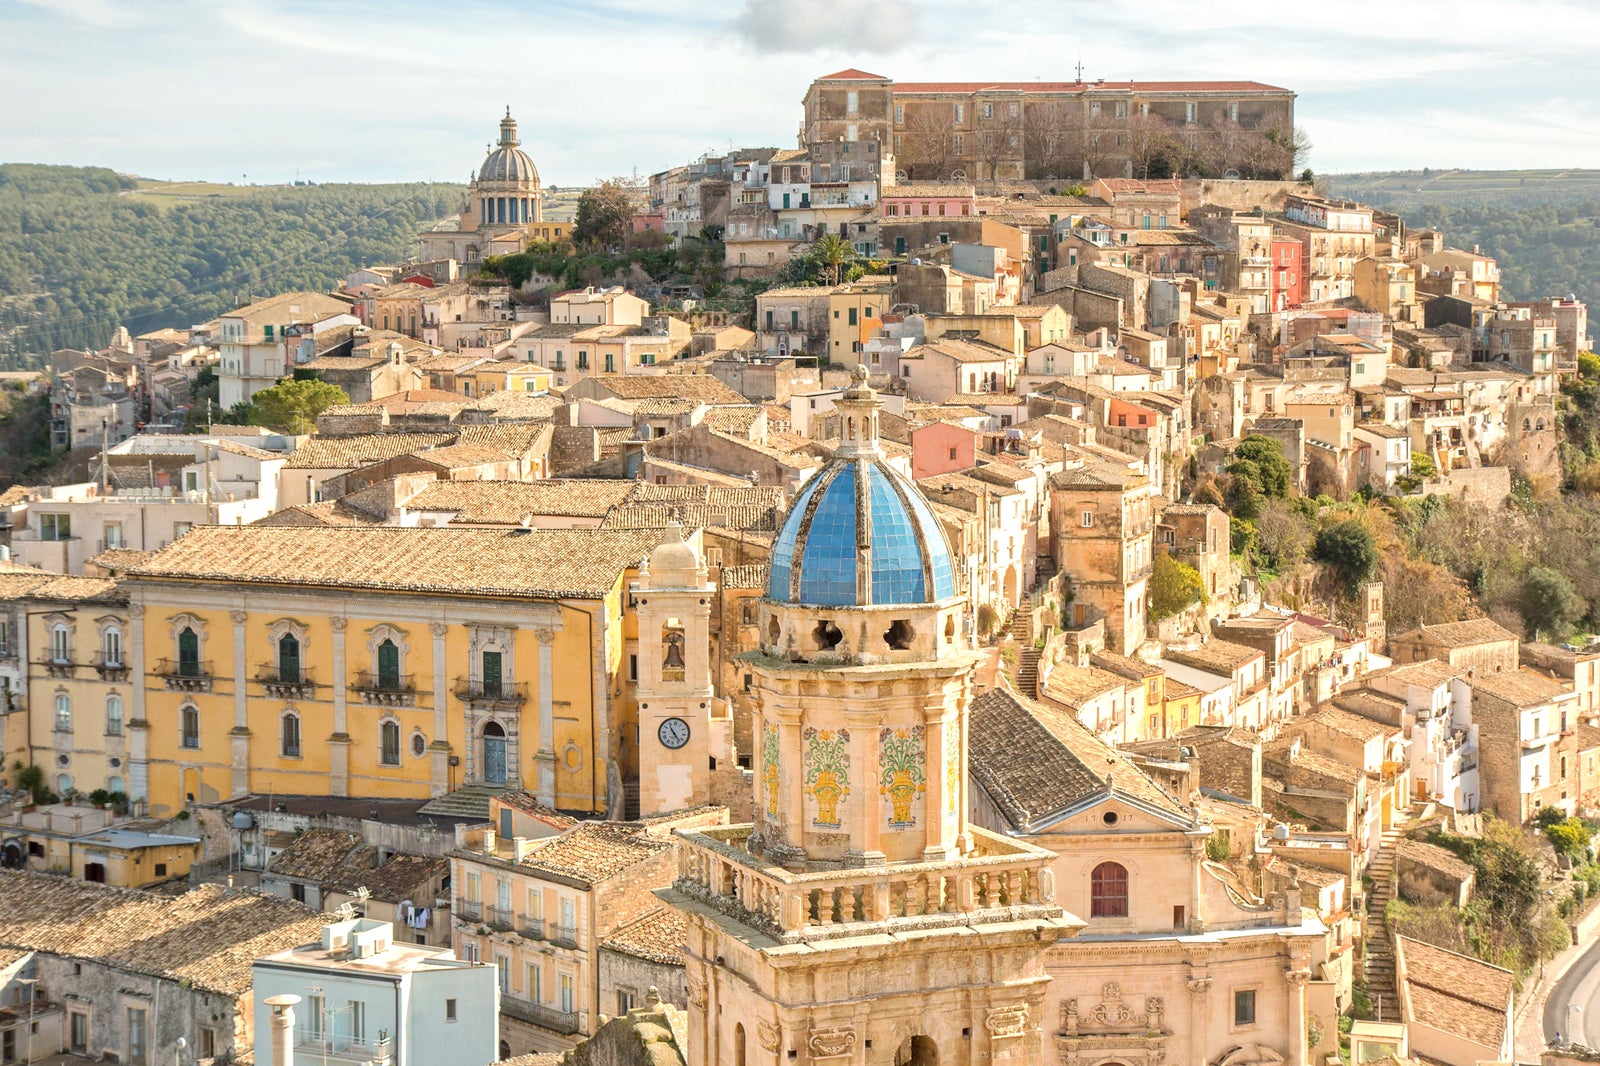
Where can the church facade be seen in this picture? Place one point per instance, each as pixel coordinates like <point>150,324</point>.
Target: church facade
<point>504,211</point>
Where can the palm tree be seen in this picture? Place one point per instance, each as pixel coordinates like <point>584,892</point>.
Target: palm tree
<point>831,252</point>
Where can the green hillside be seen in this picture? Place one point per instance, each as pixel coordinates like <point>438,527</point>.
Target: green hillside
<point>84,250</point>
<point>1542,225</point>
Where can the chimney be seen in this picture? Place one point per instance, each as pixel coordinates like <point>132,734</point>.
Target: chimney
<point>282,1036</point>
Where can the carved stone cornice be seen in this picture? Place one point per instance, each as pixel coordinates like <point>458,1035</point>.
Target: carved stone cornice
<point>338,622</point>
<point>438,629</point>
<point>239,617</point>
<point>1199,986</point>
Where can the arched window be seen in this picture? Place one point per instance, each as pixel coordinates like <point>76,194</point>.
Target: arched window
<point>63,785</point>
<point>111,648</point>
<point>389,743</point>
<point>189,726</point>
<point>60,643</point>
<point>290,729</point>
<point>738,1044</point>
<point>289,659</point>
<point>1108,891</point>
<point>115,786</point>
<point>388,665</point>
<point>63,713</point>
<point>188,652</point>
<point>113,716</point>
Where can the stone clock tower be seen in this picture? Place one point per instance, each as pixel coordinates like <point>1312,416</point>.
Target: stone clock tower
<point>676,705</point>
<point>860,919</point>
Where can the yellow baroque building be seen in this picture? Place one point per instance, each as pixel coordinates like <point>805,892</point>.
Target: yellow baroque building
<point>383,662</point>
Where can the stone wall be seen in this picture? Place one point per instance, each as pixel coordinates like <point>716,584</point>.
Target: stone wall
<point>1238,195</point>
<point>622,971</point>
<point>1482,486</point>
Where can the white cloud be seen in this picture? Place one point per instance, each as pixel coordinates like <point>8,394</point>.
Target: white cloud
<point>826,25</point>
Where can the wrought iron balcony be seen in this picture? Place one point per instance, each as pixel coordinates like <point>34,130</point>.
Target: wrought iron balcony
<point>186,675</point>
<point>563,936</point>
<point>498,918</point>
<point>285,684</point>
<point>59,668</point>
<point>111,670</point>
<point>531,928</point>
<point>390,690</point>
<point>467,689</point>
<point>467,910</point>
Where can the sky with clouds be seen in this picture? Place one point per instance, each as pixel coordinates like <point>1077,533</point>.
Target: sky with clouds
<point>362,90</point>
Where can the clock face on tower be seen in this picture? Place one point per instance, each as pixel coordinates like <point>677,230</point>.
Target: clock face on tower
<point>674,733</point>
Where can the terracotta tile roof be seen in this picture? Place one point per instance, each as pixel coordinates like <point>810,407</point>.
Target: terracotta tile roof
<point>340,861</point>
<point>505,502</point>
<point>1463,634</point>
<point>78,590</point>
<point>1522,688</point>
<point>1076,685</point>
<point>1214,656</point>
<point>852,74</point>
<point>539,563</point>
<point>17,585</point>
<point>595,851</point>
<point>702,387</point>
<point>350,453</point>
<point>517,404</point>
<point>461,456</point>
<point>1429,673</point>
<point>1233,88</point>
<point>1434,857</point>
<point>1279,751</point>
<point>17,494</point>
<point>749,576</point>
<point>1456,993</point>
<point>1125,665</point>
<point>208,936</point>
<point>657,937</point>
<point>1356,727</point>
<point>927,190</point>
<point>1035,761</point>
<point>120,558</point>
<point>312,515</point>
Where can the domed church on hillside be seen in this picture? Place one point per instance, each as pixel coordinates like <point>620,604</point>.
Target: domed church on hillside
<point>504,211</point>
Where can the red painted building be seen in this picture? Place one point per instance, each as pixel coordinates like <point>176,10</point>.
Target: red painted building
<point>1287,280</point>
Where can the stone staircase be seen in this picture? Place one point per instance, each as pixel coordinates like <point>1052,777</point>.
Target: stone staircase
<point>1027,675</point>
<point>1380,945</point>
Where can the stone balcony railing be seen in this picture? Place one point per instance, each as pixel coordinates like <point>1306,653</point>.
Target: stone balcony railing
<point>1000,880</point>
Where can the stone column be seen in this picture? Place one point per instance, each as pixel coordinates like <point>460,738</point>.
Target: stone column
<point>1297,1010</point>
<point>933,798</point>
<point>339,742</point>
<point>138,741</point>
<point>239,735</point>
<point>439,750</point>
<point>1199,1018</point>
<point>866,846</point>
<point>792,754</point>
<point>546,756</point>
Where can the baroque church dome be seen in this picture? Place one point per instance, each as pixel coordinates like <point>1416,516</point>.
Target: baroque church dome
<point>507,163</point>
<point>860,532</point>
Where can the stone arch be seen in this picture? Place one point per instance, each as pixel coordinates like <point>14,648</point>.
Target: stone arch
<point>1012,585</point>
<point>917,1050</point>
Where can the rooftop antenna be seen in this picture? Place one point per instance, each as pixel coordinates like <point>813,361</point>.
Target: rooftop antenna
<point>1080,68</point>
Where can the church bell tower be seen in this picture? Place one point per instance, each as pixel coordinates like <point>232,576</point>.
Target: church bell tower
<point>861,919</point>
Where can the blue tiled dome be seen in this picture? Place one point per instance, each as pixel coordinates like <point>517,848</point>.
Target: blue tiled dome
<point>860,534</point>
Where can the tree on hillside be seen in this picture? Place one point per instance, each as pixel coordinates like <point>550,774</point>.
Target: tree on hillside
<point>1550,602</point>
<point>1174,585</point>
<point>1275,471</point>
<point>1349,549</point>
<point>604,215</point>
<point>292,406</point>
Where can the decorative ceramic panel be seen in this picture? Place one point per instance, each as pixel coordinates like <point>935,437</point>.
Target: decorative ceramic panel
<point>827,766</point>
<point>901,780</point>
